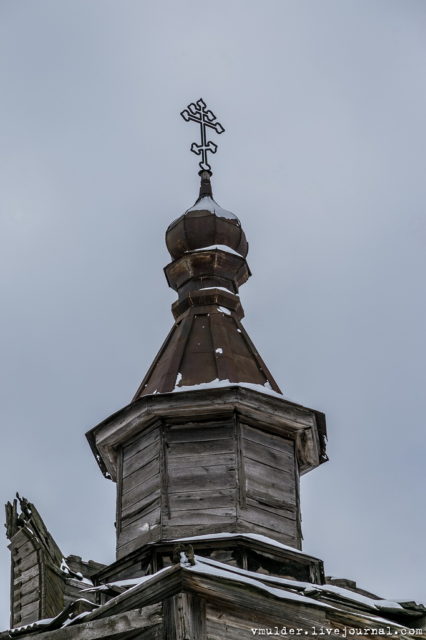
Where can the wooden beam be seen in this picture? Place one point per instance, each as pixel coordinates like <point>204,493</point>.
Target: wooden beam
<point>185,617</point>
<point>134,620</point>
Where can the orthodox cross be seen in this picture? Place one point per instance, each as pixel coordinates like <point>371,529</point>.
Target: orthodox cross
<point>198,112</point>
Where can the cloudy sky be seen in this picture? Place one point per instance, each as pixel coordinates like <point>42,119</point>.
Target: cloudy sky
<point>323,160</point>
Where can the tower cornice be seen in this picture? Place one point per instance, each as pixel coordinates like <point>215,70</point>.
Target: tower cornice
<point>307,427</point>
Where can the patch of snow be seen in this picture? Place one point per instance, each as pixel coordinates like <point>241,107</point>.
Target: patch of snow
<point>249,536</point>
<point>45,621</point>
<point>307,587</point>
<point>132,583</point>
<point>357,597</point>
<point>220,288</point>
<point>219,350</point>
<point>178,379</point>
<point>282,588</point>
<point>213,384</point>
<point>128,582</point>
<point>208,204</point>
<point>184,561</point>
<point>225,310</point>
<point>78,617</point>
<point>346,594</point>
<point>42,623</point>
<point>222,247</point>
<point>208,569</point>
<point>64,567</point>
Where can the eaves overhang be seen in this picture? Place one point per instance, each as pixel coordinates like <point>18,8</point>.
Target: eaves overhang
<point>275,414</point>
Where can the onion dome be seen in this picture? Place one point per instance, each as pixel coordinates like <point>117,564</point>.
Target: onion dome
<point>205,224</point>
<point>209,249</point>
<point>207,344</point>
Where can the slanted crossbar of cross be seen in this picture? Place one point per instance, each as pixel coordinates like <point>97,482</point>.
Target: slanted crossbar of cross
<point>198,112</point>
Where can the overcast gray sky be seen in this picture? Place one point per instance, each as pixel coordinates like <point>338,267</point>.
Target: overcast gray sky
<point>323,160</point>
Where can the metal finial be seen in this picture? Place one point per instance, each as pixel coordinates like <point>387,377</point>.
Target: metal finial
<point>198,112</point>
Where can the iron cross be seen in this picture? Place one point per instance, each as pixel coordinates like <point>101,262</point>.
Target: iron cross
<point>198,112</point>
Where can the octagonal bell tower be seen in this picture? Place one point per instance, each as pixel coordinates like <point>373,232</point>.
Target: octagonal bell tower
<point>208,444</point>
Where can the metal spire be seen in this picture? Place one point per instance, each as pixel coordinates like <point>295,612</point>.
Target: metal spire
<point>198,112</point>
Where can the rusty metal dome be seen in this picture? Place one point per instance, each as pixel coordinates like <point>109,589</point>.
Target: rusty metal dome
<point>205,225</point>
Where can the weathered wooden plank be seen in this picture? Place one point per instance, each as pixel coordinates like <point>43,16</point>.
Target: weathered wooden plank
<point>267,439</point>
<point>220,446</point>
<point>225,624</point>
<point>184,617</point>
<point>23,547</point>
<point>148,620</point>
<point>33,596</point>
<point>28,574</point>
<point>148,513</point>
<point>141,475</point>
<point>147,501</point>
<point>25,562</point>
<point>184,433</point>
<point>28,586</point>
<point>142,524</point>
<point>215,477</point>
<point>53,596</point>
<point>133,498</point>
<point>285,510</point>
<point>30,609</point>
<point>285,531</point>
<point>172,530</point>
<point>257,471</point>
<point>223,628</point>
<point>202,499</point>
<point>142,458</point>
<point>256,514</point>
<point>124,548</point>
<point>268,456</point>
<point>205,458</point>
<point>202,516</point>
<point>142,440</point>
<point>271,486</point>
<point>241,605</point>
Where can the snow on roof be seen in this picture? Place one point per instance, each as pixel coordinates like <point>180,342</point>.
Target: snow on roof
<point>222,247</point>
<point>225,310</point>
<point>208,204</point>
<point>32,625</point>
<point>275,586</point>
<point>346,594</point>
<point>206,566</point>
<point>248,536</point>
<point>213,384</point>
<point>220,288</point>
<point>249,577</point>
<point>130,583</point>
<point>282,588</point>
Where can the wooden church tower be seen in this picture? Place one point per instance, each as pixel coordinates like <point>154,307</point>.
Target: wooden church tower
<point>207,459</point>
